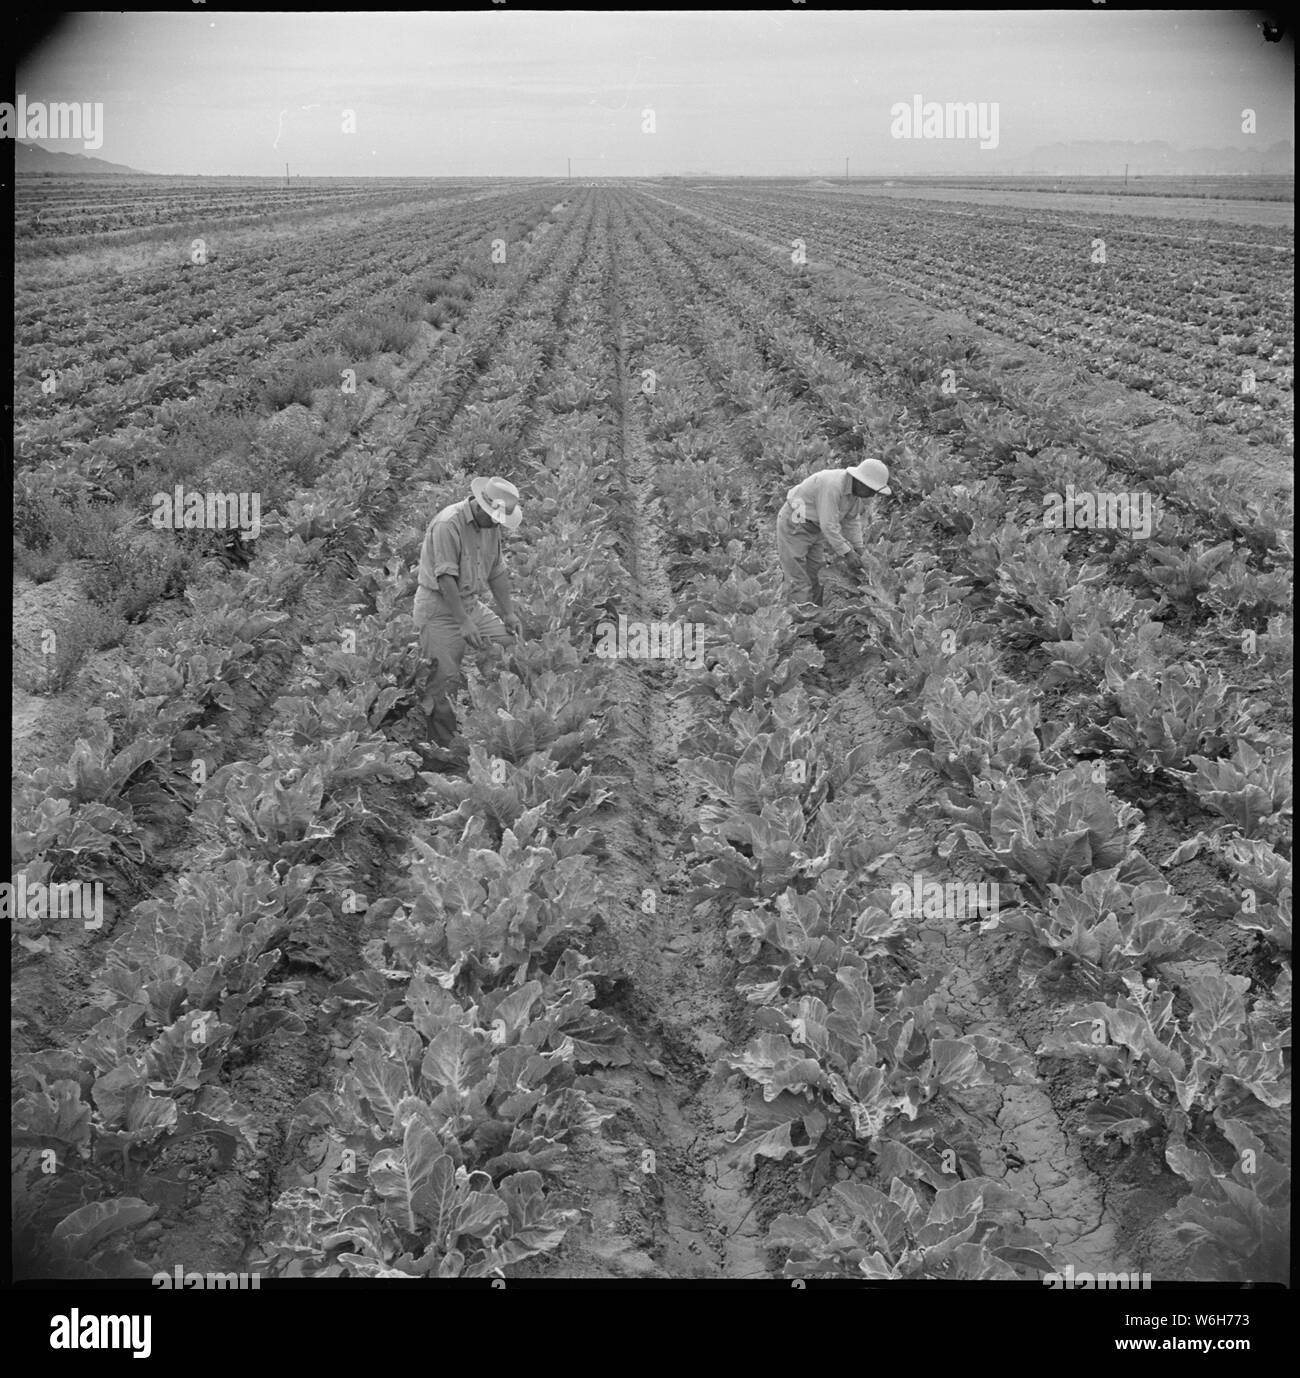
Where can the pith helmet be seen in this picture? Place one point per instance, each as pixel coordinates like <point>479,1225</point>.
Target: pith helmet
<point>874,474</point>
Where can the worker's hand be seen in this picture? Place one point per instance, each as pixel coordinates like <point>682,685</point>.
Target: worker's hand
<point>514,625</point>
<point>472,635</point>
<point>855,562</point>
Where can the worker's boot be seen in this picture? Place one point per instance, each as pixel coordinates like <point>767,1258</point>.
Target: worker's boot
<point>444,751</point>
<point>442,724</point>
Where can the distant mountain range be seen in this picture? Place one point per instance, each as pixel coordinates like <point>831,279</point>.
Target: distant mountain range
<point>31,158</point>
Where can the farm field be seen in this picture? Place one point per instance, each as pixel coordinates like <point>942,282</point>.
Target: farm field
<point>1257,188</point>
<point>1220,214</point>
<point>57,215</point>
<point>1272,206</point>
<point>1250,188</point>
<point>1116,297</point>
<point>946,938</point>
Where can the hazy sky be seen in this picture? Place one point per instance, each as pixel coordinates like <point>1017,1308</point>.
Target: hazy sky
<point>514,92</point>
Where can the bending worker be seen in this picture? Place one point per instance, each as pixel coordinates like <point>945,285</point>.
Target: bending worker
<point>459,560</point>
<point>826,509</point>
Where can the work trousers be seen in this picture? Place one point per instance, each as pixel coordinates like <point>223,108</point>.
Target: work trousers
<point>443,646</point>
<point>801,552</point>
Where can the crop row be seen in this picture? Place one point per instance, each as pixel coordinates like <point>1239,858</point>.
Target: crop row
<point>177,336</point>
<point>54,220</point>
<point>823,338</point>
<point>1188,322</point>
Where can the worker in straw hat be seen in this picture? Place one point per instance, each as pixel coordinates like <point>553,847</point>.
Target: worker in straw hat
<point>460,560</point>
<point>825,509</point>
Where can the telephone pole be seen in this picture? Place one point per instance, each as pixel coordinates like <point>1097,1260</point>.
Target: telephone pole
<point>570,176</point>
<point>846,169</point>
<point>286,174</point>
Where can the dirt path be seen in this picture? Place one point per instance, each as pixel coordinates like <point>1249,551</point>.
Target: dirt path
<point>662,1203</point>
<point>683,968</point>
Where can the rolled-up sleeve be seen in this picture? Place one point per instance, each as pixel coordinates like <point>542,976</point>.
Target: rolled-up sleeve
<point>444,547</point>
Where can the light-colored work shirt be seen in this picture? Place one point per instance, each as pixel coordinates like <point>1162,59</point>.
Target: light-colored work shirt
<point>828,504</point>
<point>454,544</point>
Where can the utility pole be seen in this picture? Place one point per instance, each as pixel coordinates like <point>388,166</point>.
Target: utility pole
<point>286,174</point>
<point>1125,176</point>
<point>846,169</point>
<point>570,177</point>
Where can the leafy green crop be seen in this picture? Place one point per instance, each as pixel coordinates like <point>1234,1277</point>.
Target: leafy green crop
<point>968,1231</point>
<point>1168,715</point>
<point>1236,1223</point>
<point>1050,830</point>
<point>478,917</point>
<point>457,1113</point>
<point>994,727</point>
<point>1109,928</point>
<point>1222,1060</point>
<point>1249,789</point>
